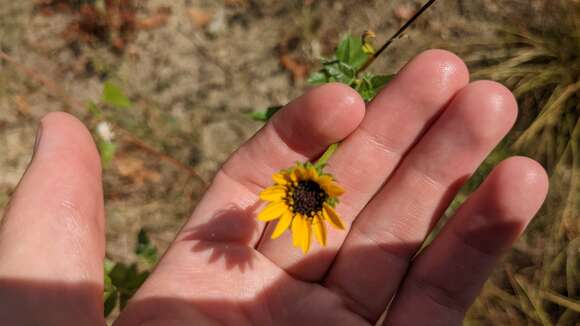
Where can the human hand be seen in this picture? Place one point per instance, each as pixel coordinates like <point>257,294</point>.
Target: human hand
<point>401,162</point>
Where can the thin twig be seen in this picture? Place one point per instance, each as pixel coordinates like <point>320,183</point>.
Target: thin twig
<point>372,58</point>
<point>59,92</point>
<point>147,148</point>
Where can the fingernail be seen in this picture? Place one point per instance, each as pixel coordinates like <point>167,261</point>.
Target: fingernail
<point>38,137</point>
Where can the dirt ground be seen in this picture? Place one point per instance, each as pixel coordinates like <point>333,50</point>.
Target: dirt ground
<point>192,81</point>
<point>191,86</point>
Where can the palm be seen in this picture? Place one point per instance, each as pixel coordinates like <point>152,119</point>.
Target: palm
<point>284,301</point>
<point>401,162</point>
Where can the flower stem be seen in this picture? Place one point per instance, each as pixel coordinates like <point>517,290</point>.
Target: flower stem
<point>326,156</point>
<point>372,58</point>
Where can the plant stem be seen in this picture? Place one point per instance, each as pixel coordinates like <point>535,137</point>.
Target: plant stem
<point>397,34</point>
<point>326,155</point>
<point>332,148</point>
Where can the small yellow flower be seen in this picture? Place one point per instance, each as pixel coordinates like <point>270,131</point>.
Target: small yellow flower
<point>302,198</point>
<point>367,42</point>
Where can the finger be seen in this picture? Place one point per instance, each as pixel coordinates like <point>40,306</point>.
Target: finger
<point>445,278</point>
<point>393,123</point>
<point>394,224</point>
<point>53,231</point>
<point>211,255</point>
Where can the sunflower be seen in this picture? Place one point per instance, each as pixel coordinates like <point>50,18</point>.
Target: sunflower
<point>302,198</point>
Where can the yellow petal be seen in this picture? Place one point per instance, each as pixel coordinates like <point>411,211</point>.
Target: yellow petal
<point>324,180</point>
<point>332,217</point>
<point>306,229</point>
<point>292,175</point>
<point>279,178</point>
<point>312,173</point>
<point>273,211</point>
<point>296,230</point>
<point>333,189</point>
<point>282,225</point>
<point>273,193</point>
<point>319,230</point>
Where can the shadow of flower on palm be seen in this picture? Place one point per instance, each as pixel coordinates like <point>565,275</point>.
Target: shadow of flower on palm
<point>227,235</point>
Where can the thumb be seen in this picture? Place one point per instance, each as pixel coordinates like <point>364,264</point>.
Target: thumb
<point>52,237</point>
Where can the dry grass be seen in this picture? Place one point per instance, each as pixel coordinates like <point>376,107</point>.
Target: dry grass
<point>538,282</point>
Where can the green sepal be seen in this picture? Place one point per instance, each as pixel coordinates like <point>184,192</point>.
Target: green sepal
<point>332,201</point>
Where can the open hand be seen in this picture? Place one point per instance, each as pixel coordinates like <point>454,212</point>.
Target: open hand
<point>401,161</point>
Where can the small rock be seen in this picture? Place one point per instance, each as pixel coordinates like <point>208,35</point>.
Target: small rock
<point>404,12</point>
<point>218,24</point>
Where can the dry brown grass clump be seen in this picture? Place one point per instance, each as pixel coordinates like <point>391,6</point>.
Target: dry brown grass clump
<point>539,282</point>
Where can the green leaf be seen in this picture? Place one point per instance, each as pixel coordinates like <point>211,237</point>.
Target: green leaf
<point>110,302</point>
<point>145,249</point>
<point>343,49</point>
<point>124,299</point>
<point>365,89</point>
<point>265,115</point>
<point>107,150</point>
<point>122,281</point>
<point>126,280</point>
<point>369,85</point>
<point>379,81</point>
<point>114,96</point>
<point>137,280</point>
<point>110,293</point>
<point>318,78</point>
<point>350,51</point>
<point>109,265</point>
<point>340,72</point>
<point>119,274</point>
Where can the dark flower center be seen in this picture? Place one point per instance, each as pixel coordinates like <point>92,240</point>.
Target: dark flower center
<point>307,198</point>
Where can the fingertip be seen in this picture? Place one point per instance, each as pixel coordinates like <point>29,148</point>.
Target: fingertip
<point>486,111</point>
<point>325,114</point>
<point>511,195</point>
<point>434,73</point>
<point>64,137</point>
<point>340,110</point>
<point>525,178</point>
<point>447,63</point>
<point>499,100</point>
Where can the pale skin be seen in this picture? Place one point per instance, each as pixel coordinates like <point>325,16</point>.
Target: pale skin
<point>401,161</point>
